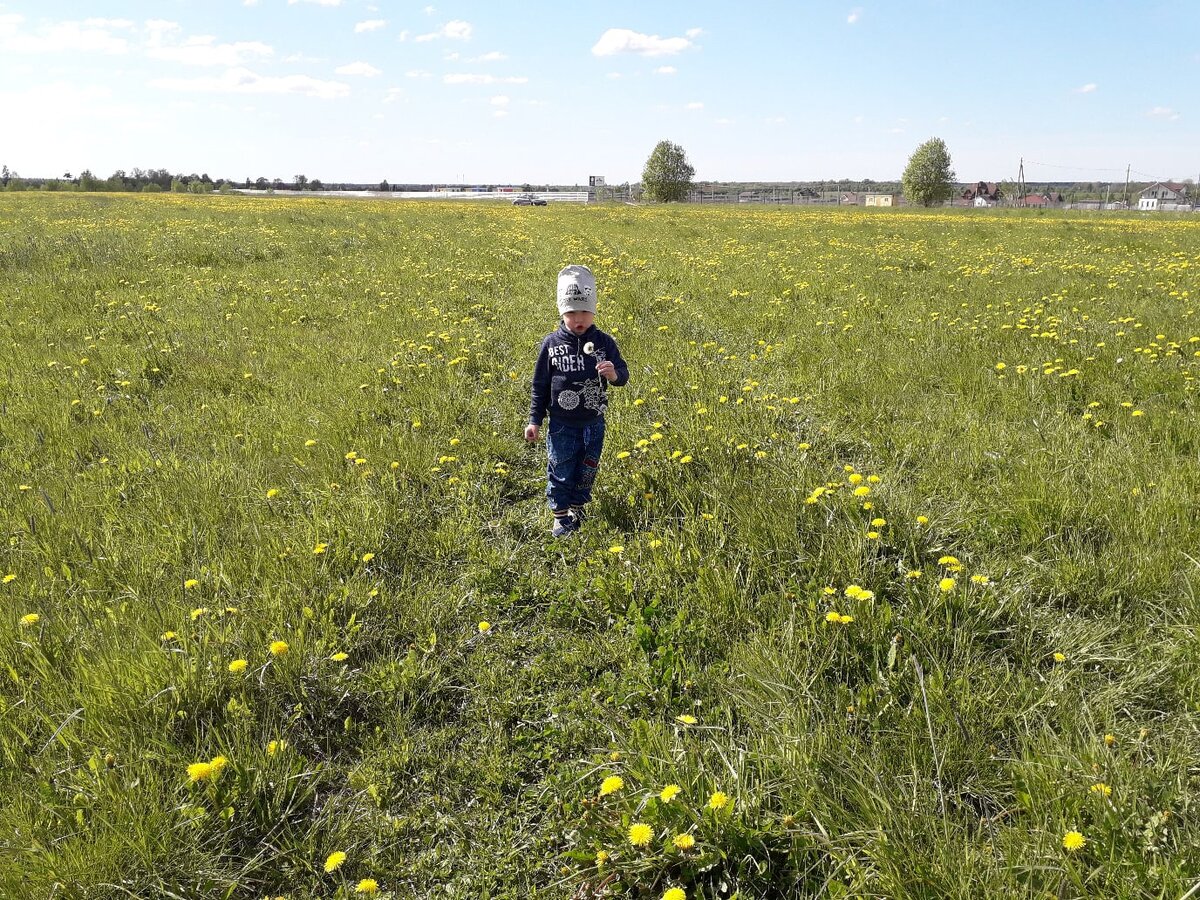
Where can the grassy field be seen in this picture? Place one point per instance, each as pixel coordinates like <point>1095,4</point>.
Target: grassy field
<point>890,589</point>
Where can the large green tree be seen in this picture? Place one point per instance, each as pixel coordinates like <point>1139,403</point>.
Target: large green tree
<point>667,175</point>
<point>928,179</point>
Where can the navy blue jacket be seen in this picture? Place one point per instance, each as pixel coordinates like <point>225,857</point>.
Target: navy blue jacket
<point>565,382</point>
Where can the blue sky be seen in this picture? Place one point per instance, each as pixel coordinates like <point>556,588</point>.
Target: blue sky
<point>486,92</point>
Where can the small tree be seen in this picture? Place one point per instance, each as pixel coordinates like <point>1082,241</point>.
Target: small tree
<point>928,179</point>
<point>667,175</point>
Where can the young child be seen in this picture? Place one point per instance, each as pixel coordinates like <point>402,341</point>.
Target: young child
<point>575,366</point>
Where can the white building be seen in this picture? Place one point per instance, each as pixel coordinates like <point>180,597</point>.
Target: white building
<point>1163,195</point>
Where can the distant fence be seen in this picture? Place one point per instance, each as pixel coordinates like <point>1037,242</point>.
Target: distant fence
<point>548,196</point>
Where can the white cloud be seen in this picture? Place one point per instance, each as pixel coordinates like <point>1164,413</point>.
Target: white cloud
<point>775,120</point>
<point>613,76</point>
<point>858,120</point>
<point>695,104</point>
<point>430,10</point>
<point>623,40</point>
<point>694,33</point>
<point>855,15</point>
<point>1163,112</point>
<point>454,30</point>
<point>665,70</point>
<point>202,50</point>
<point>500,113</point>
<point>318,2</point>
<point>301,58</point>
<point>418,73</point>
<point>1086,89</point>
<point>494,56</point>
<point>724,121</point>
<point>88,36</point>
<point>369,25</point>
<point>403,36</point>
<point>394,94</point>
<point>451,57</point>
<point>243,81</point>
<point>500,100</point>
<point>366,70</point>
<point>463,78</point>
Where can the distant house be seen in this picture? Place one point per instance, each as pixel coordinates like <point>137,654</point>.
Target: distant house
<point>881,199</point>
<point>984,193</point>
<point>848,198</point>
<point>1043,200</point>
<point>1163,195</point>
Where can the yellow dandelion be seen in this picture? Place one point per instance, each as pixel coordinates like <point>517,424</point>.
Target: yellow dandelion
<point>485,627</point>
<point>278,648</point>
<point>669,793</point>
<point>1073,840</point>
<point>1110,740</point>
<point>861,491</point>
<point>922,520</point>
<point>200,611</point>
<point>946,585</point>
<point>340,656</point>
<point>319,549</point>
<point>169,636</point>
<point>30,619</point>
<point>981,580</point>
<point>274,747</point>
<point>616,548</point>
<point>334,860</point>
<point>719,800</point>
<point>1060,657</point>
<point>601,858</point>
<point>200,771</point>
<point>1101,788</point>
<point>611,785</point>
<point>367,886</point>
<point>190,583</point>
<point>9,578</point>
<point>684,842</point>
<point>367,557</point>
<point>674,893</point>
<point>238,665</point>
<point>272,493</point>
<point>686,719</point>
<point>640,834</point>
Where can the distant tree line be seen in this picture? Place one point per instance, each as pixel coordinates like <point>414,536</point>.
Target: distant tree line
<point>156,181</point>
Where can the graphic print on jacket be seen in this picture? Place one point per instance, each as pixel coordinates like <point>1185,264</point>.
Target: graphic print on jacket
<point>565,381</point>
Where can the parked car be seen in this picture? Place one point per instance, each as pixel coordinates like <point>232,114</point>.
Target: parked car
<point>527,200</point>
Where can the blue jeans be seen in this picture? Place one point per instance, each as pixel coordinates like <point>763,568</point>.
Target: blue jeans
<point>574,458</point>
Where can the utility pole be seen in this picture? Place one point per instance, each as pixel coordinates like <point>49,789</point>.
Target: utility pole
<point>1127,168</point>
<point>1021,183</point>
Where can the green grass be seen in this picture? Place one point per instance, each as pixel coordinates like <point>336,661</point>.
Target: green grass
<point>169,361</point>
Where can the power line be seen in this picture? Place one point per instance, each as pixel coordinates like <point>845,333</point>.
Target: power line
<point>1072,168</point>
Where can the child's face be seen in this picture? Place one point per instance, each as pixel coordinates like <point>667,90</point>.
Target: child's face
<point>578,321</point>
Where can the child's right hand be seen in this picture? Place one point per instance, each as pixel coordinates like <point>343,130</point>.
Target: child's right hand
<point>531,432</point>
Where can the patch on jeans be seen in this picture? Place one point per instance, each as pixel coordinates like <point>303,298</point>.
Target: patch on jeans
<point>588,474</point>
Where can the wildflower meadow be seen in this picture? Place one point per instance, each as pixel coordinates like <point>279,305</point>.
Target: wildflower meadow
<point>890,589</point>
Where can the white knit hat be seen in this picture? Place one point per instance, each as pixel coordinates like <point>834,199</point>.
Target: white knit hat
<point>576,290</point>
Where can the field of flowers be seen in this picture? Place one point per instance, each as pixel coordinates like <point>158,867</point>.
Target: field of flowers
<point>891,588</point>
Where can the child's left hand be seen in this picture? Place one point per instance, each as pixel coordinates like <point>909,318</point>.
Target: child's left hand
<point>606,370</point>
